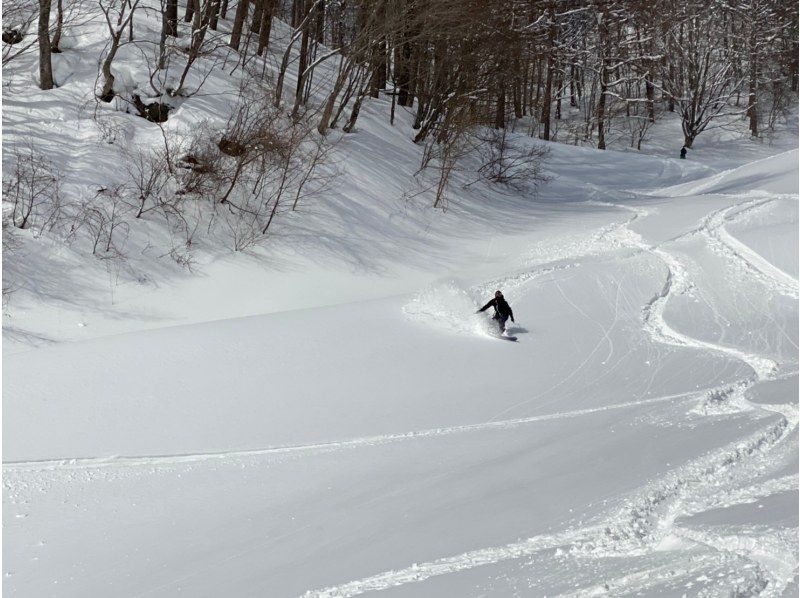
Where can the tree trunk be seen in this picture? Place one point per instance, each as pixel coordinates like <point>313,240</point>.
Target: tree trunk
<point>327,111</point>
<point>547,100</point>
<point>500,113</point>
<point>573,102</point>
<point>354,114</point>
<point>162,40</point>
<point>671,98</point>
<point>601,114</point>
<point>603,79</point>
<point>266,27</point>
<point>537,105</point>
<point>752,98</point>
<point>524,88</point>
<point>402,65</point>
<point>282,72</point>
<point>45,64</point>
<point>238,23</point>
<point>108,77</point>
<point>752,101</point>
<point>319,25</point>
<point>255,24</point>
<point>191,9</point>
<point>214,21</point>
<point>560,94</point>
<point>296,12</point>
<point>517,94</point>
<point>171,18</point>
<point>59,26</point>
<point>378,80</point>
<point>301,70</point>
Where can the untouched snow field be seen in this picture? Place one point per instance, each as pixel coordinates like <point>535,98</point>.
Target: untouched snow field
<point>328,416</point>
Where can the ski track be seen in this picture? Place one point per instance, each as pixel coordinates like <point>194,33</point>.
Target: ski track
<point>637,528</point>
<point>366,441</point>
<point>468,560</point>
<point>646,517</point>
<point>722,242</point>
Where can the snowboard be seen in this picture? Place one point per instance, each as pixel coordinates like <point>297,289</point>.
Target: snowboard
<point>506,338</point>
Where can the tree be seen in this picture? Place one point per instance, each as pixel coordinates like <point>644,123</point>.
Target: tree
<point>705,81</point>
<point>117,16</point>
<point>45,62</point>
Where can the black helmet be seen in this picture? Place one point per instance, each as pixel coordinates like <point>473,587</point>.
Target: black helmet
<point>498,294</point>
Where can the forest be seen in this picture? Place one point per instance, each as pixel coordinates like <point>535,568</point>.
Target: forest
<point>595,73</point>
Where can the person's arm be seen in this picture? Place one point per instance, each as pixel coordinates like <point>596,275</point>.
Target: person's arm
<point>485,307</point>
<point>511,313</point>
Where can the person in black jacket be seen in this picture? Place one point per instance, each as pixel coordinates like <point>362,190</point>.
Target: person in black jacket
<point>502,310</point>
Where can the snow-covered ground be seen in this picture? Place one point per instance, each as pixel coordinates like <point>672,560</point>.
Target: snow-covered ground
<point>327,416</point>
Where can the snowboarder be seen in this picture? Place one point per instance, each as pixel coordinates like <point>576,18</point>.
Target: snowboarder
<point>502,310</point>
<point>683,153</point>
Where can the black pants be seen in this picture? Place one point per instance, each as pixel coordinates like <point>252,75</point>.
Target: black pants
<point>501,322</point>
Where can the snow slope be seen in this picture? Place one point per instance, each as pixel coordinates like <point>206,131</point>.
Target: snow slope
<point>328,416</point>
<point>368,237</point>
<point>640,437</point>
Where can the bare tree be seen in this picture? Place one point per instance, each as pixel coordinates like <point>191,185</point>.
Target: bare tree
<point>515,164</point>
<point>118,14</point>
<point>31,189</point>
<point>299,33</point>
<point>149,180</point>
<point>103,221</point>
<point>703,88</point>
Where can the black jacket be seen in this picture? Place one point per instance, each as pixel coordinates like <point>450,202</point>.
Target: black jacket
<point>501,308</point>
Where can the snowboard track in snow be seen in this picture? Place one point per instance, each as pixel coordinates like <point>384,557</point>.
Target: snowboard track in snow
<point>638,526</point>
<point>647,516</point>
<point>722,242</point>
<point>366,441</point>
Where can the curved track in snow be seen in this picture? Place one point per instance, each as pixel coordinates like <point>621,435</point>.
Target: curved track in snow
<point>366,441</point>
<point>720,240</point>
<point>647,517</point>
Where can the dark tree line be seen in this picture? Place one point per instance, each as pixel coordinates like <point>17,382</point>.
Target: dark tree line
<point>461,63</point>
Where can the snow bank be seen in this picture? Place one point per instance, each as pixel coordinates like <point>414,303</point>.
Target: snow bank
<point>775,174</point>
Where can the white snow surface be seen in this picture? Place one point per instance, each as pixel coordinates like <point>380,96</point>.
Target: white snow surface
<point>327,416</point>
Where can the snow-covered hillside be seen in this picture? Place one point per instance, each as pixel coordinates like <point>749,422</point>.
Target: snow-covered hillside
<point>327,416</point>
